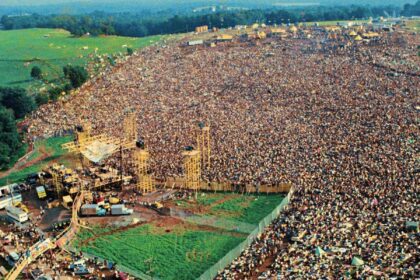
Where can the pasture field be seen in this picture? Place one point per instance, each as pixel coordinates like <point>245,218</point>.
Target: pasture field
<point>51,49</point>
<point>413,25</point>
<point>44,154</point>
<point>177,248</point>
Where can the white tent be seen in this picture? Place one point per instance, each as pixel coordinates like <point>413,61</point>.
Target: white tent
<point>357,261</point>
<point>319,252</point>
<point>98,151</point>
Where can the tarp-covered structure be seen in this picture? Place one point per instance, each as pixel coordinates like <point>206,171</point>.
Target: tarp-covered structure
<point>98,151</point>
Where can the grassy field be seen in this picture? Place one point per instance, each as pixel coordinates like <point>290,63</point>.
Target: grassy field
<point>413,25</point>
<point>51,49</point>
<point>235,207</point>
<point>186,248</point>
<point>183,253</point>
<point>45,153</point>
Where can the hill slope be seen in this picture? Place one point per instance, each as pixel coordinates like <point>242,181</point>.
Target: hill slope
<point>51,49</point>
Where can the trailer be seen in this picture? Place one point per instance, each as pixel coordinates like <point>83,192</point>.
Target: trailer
<point>41,192</point>
<point>92,210</point>
<point>9,195</point>
<point>120,209</point>
<point>17,214</point>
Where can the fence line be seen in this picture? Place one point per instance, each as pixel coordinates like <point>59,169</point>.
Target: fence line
<point>212,272</point>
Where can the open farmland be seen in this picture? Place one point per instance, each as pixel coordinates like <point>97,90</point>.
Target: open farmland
<point>51,49</point>
<point>181,248</point>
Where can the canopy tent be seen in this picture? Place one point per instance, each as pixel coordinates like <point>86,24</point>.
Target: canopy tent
<point>319,252</point>
<point>358,38</point>
<point>357,261</point>
<point>412,226</point>
<point>98,151</point>
<point>293,29</point>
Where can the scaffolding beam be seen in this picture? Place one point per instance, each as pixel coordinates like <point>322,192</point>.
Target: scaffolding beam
<point>192,169</point>
<point>130,128</point>
<point>145,181</point>
<point>203,145</point>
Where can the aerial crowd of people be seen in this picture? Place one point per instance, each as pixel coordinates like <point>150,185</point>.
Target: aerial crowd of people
<point>338,121</point>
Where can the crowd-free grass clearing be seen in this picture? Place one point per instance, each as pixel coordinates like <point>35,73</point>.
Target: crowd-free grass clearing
<point>183,253</point>
<point>51,49</point>
<point>247,208</point>
<point>45,153</point>
<point>188,248</point>
<point>413,25</point>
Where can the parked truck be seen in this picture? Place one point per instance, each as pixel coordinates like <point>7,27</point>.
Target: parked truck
<point>92,210</point>
<point>16,214</point>
<point>40,191</point>
<point>120,209</point>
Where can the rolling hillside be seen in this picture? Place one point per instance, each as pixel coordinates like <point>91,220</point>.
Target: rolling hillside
<point>50,49</point>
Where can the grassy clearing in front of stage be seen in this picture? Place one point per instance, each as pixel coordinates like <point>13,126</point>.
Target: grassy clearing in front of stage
<point>177,248</point>
<point>247,208</point>
<point>184,251</point>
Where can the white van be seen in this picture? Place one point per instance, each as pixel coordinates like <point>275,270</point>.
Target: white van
<point>17,214</point>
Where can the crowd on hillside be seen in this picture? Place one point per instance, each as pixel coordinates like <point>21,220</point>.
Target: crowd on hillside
<point>340,125</point>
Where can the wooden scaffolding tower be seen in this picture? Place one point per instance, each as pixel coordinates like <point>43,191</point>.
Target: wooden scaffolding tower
<point>203,143</point>
<point>192,169</point>
<point>57,181</point>
<point>144,179</point>
<point>130,130</point>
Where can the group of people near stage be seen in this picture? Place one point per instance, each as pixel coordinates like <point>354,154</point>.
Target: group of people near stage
<point>340,125</point>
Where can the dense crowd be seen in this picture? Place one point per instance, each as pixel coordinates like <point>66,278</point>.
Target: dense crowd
<point>341,124</point>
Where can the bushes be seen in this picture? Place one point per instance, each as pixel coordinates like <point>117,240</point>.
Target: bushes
<point>9,137</point>
<point>76,74</point>
<point>18,100</point>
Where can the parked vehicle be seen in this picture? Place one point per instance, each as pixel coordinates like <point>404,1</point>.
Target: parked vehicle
<point>120,209</point>
<point>92,210</point>
<point>17,214</point>
<point>9,194</point>
<point>12,258</point>
<point>41,192</point>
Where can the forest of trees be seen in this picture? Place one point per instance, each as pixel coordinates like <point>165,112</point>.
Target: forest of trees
<point>15,103</point>
<point>136,25</point>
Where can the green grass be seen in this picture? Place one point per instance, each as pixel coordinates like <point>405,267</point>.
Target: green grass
<point>413,25</point>
<point>242,208</point>
<point>247,208</point>
<point>52,49</point>
<point>52,146</point>
<point>180,254</point>
<point>17,155</point>
<point>186,251</point>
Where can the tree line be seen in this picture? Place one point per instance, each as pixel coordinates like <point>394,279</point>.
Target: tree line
<point>137,25</point>
<point>16,103</point>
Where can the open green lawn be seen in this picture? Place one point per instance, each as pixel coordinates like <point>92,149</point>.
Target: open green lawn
<point>48,151</point>
<point>247,208</point>
<point>189,248</point>
<point>413,25</point>
<point>51,49</point>
<point>182,253</point>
